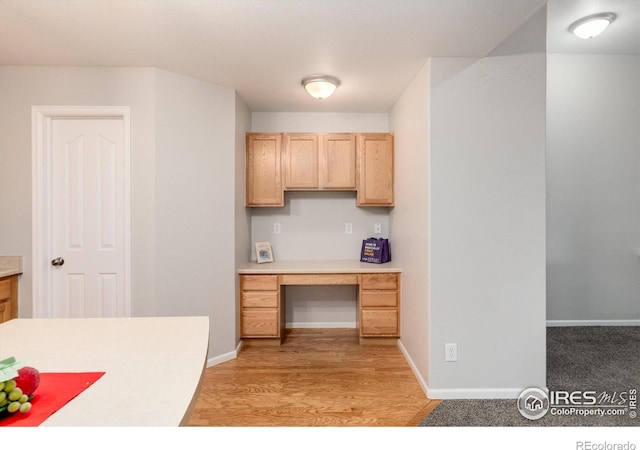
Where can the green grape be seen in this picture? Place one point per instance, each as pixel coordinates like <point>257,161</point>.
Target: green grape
<point>13,407</point>
<point>9,385</point>
<point>1,385</point>
<point>15,394</point>
<point>4,403</point>
<point>25,407</point>
<point>3,395</point>
<point>23,398</point>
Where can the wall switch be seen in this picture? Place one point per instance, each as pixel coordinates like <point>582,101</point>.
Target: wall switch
<point>450,352</point>
<point>348,228</point>
<point>276,228</point>
<point>377,228</point>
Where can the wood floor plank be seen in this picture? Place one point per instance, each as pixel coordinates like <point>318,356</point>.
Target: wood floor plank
<point>318,377</point>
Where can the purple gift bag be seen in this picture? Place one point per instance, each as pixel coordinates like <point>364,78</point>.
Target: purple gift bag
<point>375,250</point>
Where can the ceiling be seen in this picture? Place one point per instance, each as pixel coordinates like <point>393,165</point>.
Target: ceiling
<point>263,49</point>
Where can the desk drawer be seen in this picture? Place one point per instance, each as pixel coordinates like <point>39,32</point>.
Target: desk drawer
<point>380,281</point>
<point>322,279</point>
<point>259,323</point>
<point>380,322</point>
<point>5,289</point>
<point>259,282</point>
<point>370,299</point>
<point>260,299</point>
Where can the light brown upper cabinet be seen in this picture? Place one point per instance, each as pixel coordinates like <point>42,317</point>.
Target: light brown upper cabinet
<point>309,161</point>
<point>319,161</point>
<point>338,161</point>
<point>264,169</point>
<point>300,161</point>
<point>375,169</point>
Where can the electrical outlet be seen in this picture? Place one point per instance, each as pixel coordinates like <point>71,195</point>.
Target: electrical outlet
<point>450,352</point>
<point>377,228</point>
<point>348,228</point>
<point>276,228</point>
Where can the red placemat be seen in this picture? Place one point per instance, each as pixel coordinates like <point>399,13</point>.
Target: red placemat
<point>54,391</point>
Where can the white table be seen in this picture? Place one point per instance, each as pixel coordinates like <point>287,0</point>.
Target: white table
<point>153,366</point>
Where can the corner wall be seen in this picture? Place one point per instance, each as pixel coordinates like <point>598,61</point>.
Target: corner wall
<point>195,227</point>
<point>409,121</point>
<point>487,233</point>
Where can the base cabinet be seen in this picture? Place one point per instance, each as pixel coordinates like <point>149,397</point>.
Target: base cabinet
<point>8,298</point>
<point>380,305</point>
<point>260,310</point>
<point>262,305</point>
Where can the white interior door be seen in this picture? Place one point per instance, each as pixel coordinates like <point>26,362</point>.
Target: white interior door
<point>88,252</point>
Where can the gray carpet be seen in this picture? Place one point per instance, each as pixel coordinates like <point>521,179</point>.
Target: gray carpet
<point>578,358</point>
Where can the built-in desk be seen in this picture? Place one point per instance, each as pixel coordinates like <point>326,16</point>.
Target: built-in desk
<point>262,295</point>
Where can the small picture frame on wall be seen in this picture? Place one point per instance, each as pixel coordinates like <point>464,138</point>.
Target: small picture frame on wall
<point>264,254</point>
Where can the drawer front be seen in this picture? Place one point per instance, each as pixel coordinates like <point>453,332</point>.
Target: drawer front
<point>323,279</point>
<point>5,289</point>
<point>378,298</point>
<point>260,323</point>
<point>380,322</point>
<point>260,299</point>
<point>380,281</point>
<point>259,282</point>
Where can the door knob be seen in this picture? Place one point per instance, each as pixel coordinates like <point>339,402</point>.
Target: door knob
<point>57,262</point>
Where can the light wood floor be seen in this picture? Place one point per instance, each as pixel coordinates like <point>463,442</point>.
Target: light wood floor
<point>318,377</point>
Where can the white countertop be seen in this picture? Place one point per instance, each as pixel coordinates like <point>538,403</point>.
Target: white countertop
<point>10,265</point>
<point>318,266</point>
<point>153,366</point>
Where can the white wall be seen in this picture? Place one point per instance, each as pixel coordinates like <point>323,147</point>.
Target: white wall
<point>468,225</point>
<point>487,240</point>
<point>242,214</point>
<point>487,220</point>
<point>312,223</point>
<point>593,183</point>
<point>184,152</point>
<point>409,121</point>
<point>195,226</point>
<point>24,87</point>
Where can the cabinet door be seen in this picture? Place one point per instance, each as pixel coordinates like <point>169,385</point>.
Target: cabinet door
<point>301,161</point>
<point>375,169</point>
<point>8,298</point>
<point>338,161</point>
<point>264,165</point>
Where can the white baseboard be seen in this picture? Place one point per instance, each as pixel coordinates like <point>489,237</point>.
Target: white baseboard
<point>224,357</point>
<point>593,323</point>
<point>321,325</point>
<point>458,394</point>
<point>414,369</point>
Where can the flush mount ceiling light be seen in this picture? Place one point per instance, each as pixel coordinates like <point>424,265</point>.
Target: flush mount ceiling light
<point>321,86</point>
<point>591,26</point>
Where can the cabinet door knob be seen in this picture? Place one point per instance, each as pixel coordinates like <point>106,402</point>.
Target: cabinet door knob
<point>57,262</point>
